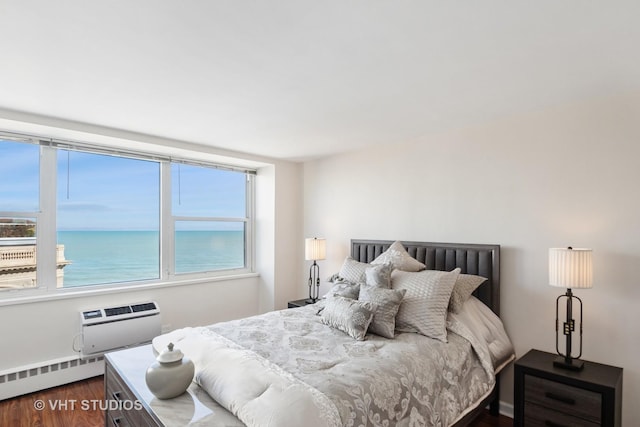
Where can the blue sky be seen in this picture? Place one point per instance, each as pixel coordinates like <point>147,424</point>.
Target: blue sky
<point>98,192</point>
<point>18,177</point>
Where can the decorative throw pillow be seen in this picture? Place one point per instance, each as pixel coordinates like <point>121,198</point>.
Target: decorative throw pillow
<point>352,270</point>
<point>379,275</point>
<point>335,277</point>
<point>462,290</point>
<point>350,316</point>
<point>344,288</point>
<point>424,308</point>
<point>387,302</point>
<point>398,256</point>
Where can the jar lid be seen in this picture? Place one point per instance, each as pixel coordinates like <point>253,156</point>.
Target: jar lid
<point>170,354</point>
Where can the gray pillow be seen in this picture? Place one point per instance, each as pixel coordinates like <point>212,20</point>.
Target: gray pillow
<point>462,290</point>
<point>344,288</point>
<point>387,302</point>
<point>379,275</point>
<point>398,256</point>
<point>352,270</point>
<point>424,308</point>
<point>350,316</point>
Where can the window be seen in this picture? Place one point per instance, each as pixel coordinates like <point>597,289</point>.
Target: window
<point>96,217</point>
<point>108,218</point>
<point>209,212</point>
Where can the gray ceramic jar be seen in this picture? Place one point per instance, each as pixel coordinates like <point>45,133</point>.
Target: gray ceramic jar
<point>170,375</point>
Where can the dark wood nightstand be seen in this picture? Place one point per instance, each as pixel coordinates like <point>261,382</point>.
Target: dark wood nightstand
<point>298,303</point>
<point>548,396</point>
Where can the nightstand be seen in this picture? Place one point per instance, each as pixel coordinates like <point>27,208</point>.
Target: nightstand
<point>298,303</point>
<point>548,396</point>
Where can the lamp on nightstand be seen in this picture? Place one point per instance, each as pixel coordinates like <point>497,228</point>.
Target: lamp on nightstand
<point>569,268</point>
<point>314,250</point>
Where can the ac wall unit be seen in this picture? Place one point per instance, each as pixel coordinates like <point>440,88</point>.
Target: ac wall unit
<point>110,328</point>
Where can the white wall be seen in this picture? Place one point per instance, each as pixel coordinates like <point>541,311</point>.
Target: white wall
<point>563,176</point>
<point>42,331</point>
<point>279,235</point>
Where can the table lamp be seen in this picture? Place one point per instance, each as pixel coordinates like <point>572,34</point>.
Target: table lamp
<point>314,249</point>
<point>571,269</point>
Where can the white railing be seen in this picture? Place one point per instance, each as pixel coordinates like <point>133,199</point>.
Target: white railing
<point>18,266</point>
<point>12,257</point>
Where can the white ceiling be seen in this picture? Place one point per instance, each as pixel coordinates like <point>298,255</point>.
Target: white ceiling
<point>297,79</point>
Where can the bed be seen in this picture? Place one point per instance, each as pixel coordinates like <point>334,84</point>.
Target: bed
<point>284,366</point>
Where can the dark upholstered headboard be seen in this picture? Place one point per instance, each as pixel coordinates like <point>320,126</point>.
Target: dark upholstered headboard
<point>482,260</point>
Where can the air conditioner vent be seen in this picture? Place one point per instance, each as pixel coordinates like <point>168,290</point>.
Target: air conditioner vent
<point>117,310</point>
<point>143,307</point>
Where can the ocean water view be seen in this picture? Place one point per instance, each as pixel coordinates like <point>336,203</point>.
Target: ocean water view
<point>99,257</point>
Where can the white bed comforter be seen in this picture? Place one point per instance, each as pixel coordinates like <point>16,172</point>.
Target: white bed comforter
<point>283,367</point>
<point>255,390</point>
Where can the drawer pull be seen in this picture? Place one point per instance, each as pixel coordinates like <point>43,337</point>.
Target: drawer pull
<point>116,395</point>
<point>563,399</point>
<point>116,422</point>
<point>552,424</point>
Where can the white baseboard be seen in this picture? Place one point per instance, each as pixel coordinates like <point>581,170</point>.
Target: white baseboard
<point>52,373</point>
<point>506,409</point>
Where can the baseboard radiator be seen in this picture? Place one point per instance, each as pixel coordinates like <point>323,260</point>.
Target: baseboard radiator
<point>101,330</point>
<point>52,373</point>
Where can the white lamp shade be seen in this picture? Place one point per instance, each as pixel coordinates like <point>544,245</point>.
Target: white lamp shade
<point>570,268</point>
<point>314,249</point>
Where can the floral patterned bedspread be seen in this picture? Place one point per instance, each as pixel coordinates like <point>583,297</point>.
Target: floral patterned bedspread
<point>408,381</point>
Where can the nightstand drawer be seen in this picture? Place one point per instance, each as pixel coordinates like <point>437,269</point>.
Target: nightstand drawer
<point>115,418</point>
<point>116,390</point>
<point>123,408</point>
<point>556,396</point>
<point>538,416</point>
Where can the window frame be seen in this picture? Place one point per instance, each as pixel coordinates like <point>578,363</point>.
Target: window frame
<point>168,223</point>
<point>46,222</point>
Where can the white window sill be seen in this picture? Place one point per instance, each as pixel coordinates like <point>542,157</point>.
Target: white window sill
<point>28,296</point>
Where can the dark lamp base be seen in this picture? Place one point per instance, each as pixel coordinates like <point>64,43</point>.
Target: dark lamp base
<point>571,365</point>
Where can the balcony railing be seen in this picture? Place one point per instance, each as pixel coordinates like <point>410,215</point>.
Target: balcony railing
<point>18,265</point>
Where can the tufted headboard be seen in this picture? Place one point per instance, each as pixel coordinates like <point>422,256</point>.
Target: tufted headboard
<point>481,260</point>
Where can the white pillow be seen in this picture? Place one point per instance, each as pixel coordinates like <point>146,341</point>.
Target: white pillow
<point>424,307</point>
<point>398,256</point>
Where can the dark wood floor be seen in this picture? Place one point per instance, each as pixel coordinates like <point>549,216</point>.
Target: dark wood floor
<point>24,411</point>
